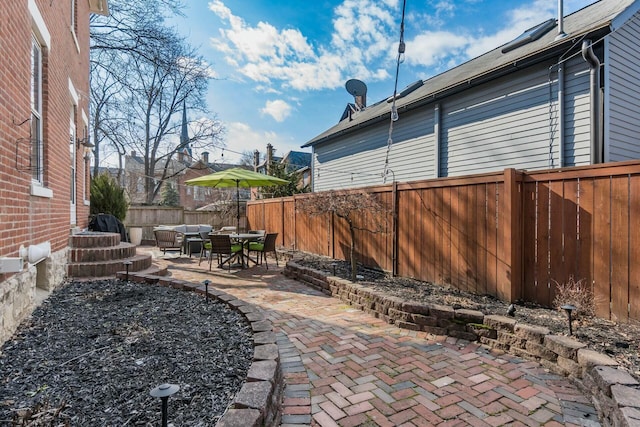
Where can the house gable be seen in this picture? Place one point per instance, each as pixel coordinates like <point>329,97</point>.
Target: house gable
<point>529,108</point>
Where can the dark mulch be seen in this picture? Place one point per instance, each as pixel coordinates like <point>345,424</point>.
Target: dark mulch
<point>620,341</point>
<point>90,355</point>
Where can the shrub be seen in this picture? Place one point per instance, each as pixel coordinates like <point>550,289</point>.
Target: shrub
<point>108,197</point>
<point>577,294</point>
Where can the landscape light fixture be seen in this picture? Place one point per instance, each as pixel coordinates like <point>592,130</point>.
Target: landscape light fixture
<point>206,289</point>
<point>163,391</point>
<point>569,309</point>
<point>127,264</point>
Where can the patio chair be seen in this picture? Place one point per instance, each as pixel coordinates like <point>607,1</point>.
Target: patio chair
<point>206,245</point>
<point>221,246</point>
<point>168,240</point>
<point>262,248</point>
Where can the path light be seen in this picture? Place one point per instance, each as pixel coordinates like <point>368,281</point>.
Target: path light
<point>333,265</point>
<point>569,309</point>
<point>163,391</point>
<point>127,264</point>
<point>206,289</point>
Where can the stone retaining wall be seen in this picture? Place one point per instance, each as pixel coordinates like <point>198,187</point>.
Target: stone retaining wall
<point>258,401</point>
<point>616,394</point>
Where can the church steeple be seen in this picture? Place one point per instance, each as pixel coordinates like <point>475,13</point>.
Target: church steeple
<point>185,147</point>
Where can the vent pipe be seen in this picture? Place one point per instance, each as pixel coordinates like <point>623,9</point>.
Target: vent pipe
<point>561,32</point>
<point>594,92</point>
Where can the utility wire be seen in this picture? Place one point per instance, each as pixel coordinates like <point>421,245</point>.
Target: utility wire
<point>394,111</point>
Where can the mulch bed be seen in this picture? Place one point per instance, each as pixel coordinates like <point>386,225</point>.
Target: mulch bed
<point>92,352</point>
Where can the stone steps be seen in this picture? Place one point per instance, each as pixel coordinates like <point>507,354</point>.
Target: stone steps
<point>95,254</point>
<point>84,255</point>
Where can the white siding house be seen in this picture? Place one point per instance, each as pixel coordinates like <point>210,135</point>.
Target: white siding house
<point>552,102</point>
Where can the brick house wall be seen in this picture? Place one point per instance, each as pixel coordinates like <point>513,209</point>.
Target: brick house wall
<point>32,213</point>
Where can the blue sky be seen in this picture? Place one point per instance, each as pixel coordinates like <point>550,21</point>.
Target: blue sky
<point>281,66</point>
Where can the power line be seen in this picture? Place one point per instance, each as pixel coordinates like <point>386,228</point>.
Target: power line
<point>394,111</point>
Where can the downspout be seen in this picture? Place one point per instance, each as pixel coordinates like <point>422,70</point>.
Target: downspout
<point>594,100</point>
<point>561,117</point>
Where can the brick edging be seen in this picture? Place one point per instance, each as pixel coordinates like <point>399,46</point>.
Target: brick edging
<point>258,401</point>
<point>615,393</point>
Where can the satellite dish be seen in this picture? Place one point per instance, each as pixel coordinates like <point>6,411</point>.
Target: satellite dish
<point>356,87</point>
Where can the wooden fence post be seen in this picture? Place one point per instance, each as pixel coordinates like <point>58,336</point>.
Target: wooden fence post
<point>394,228</point>
<point>510,238</point>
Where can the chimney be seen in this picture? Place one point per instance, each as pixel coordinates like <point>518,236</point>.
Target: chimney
<point>256,160</point>
<point>205,157</point>
<point>269,157</point>
<point>561,32</point>
<point>361,101</point>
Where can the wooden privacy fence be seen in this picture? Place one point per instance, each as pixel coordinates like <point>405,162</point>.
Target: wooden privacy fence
<point>148,217</point>
<point>514,235</point>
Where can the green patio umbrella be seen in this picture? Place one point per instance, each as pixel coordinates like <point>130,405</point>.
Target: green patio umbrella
<point>236,177</point>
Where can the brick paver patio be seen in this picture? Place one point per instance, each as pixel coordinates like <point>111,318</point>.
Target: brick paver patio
<point>343,367</point>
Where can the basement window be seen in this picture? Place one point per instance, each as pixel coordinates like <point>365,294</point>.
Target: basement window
<point>532,34</point>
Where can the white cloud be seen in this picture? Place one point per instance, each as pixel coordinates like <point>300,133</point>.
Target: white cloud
<point>277,109</point>
<point>431,48</point>
<point>285,57</point>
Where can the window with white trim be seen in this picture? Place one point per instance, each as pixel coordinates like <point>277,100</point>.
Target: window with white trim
<point>37,144</point>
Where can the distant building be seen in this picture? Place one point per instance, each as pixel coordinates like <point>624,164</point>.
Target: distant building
<point>295,161</point>
<point>179,170</point>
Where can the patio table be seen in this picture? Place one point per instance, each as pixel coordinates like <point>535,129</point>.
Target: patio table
<point>190,238</point>
<point>245,238</point>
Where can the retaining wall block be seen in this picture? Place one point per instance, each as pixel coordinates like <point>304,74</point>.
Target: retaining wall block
<point>482,331</point>
<point>540,351</point>
<point>407,325</point>
<point>524,354</point>
<point>626,396</point>
<point>511,340</point>
<point>441,311</point>
<point>241,418</point>
<point>424,320</point>
<point>569,367</point>
<point>262,370</point>
<point>401,316</point>
<point>531,333</point>
<point>607,376</point>
<point>469,316</point>
<point>462,334</point>
<point>416,307</point>
<point>266,337</point>
<point>266,352</point>
<point>500,323</point>
<point>563,346</point>
<point>494,344</point>
<point>630,417</point>
<point>254,395</point>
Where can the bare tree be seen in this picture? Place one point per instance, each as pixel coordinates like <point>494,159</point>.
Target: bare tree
<point>143,75</point>
<point>351,207</point>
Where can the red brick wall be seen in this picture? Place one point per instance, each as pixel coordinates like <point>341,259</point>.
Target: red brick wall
<point>27,219</point>
<point>186,193</point>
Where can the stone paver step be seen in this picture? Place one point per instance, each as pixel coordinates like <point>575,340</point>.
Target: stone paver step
<point>108,268</point>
